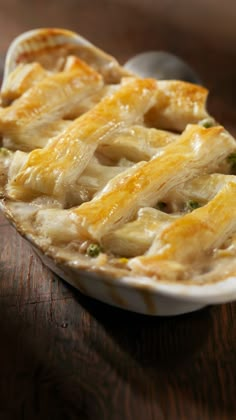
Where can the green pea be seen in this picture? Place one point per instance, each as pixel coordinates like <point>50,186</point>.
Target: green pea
<point>192,205</point>
<point>207,123</point>
<point>4,151</point>
<point>93,250</point>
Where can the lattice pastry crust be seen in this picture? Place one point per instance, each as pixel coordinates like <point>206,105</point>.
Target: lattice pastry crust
<point>116,174</point>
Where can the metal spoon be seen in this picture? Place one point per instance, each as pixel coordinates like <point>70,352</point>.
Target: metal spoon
<point>161,65</point>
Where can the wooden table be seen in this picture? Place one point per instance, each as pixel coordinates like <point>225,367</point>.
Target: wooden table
<point>66,356</point>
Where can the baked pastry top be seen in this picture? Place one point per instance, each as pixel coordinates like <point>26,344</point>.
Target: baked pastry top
<point>120,175</point>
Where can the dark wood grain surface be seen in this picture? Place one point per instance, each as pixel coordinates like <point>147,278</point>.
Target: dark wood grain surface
<point>66,356</point>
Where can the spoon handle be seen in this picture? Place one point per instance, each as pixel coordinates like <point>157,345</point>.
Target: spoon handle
<point>161,65</point>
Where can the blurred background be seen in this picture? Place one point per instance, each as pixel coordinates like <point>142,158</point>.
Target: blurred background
<point>203,32</point>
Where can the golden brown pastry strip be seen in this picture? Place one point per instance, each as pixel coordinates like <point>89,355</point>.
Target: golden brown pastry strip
<point>178,104</point>
<point>136,143</point>
<point>23,77</point>
<point>189,238</point>
<point>48,100</point>
<point>145,184</point>
<point>136,237</point>
<point>54,169</point>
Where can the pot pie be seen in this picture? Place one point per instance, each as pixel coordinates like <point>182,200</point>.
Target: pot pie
<point>110,173</point>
